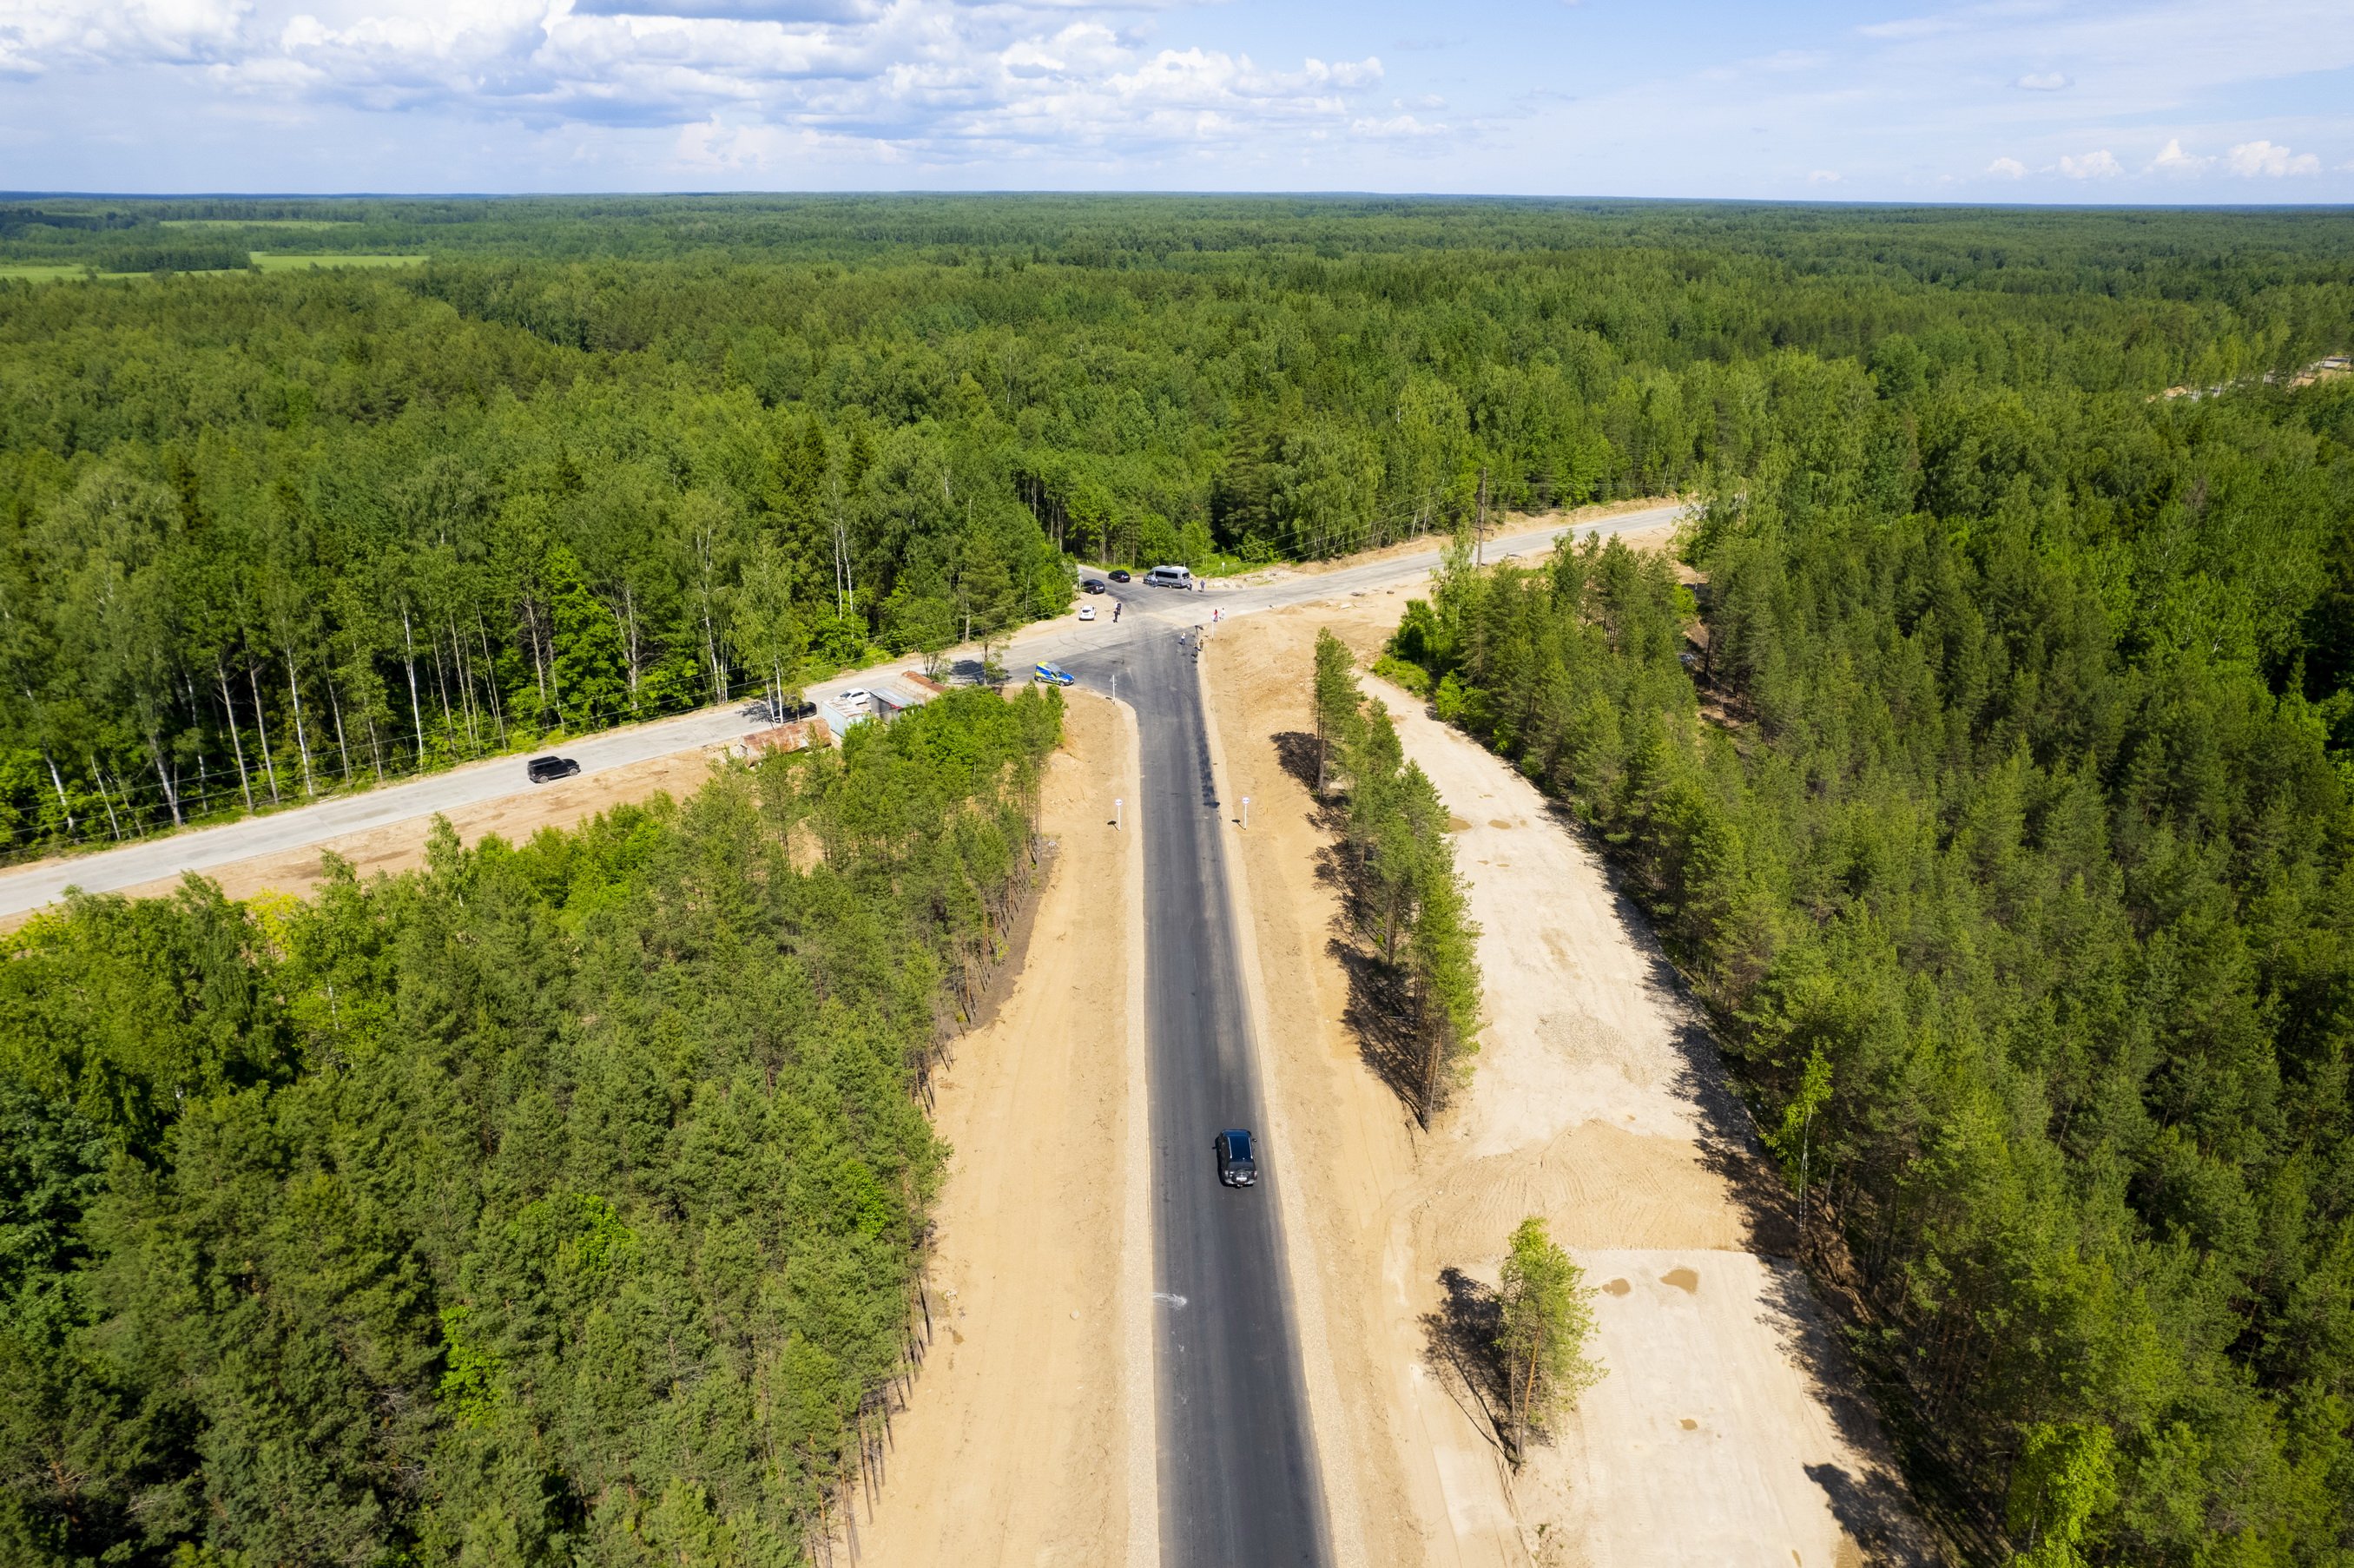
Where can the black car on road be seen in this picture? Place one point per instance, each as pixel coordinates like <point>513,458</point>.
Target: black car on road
<point>1237,1161</point>
<point>1091,585</point>
<point>1120,577</point>
<point>546,769</point>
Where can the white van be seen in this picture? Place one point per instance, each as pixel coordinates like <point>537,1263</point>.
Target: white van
<point>1170,577</point>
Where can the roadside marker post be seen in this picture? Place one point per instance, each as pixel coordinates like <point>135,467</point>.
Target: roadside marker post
<point>1245,811</point>
<point>1116,804</point>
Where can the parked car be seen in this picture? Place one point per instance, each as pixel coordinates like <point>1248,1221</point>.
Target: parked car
<point>548,769</point>
<point>1051,675</point>
<point>857,700</point>
<point>1120,577</point>
<point>1170,577</point>
<point>1086,612</point>
<point>1091,585</point>
<point>1238,1157</point>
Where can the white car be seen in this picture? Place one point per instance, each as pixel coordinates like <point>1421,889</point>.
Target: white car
<point>1086,612</point>
<point>857,700</point>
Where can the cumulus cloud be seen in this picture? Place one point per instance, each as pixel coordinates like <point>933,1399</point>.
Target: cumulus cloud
<point>2262,160</point>
<point>2100,165</point>
<point>1822,177</point>
<point>2042,81</point>
<point>736,10</point>
<point>2007,169</point>
<point>748,83</point>
<point>38,35</point>
<point>2172,160</point>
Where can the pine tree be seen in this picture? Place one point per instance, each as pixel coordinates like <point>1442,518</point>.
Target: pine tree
<point>1545,1318</point>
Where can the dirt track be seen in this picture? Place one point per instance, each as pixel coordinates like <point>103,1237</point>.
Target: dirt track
<point>1723,1434</point>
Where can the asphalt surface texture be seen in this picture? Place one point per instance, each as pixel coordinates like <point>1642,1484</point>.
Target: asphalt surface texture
<point>1237,1456</point>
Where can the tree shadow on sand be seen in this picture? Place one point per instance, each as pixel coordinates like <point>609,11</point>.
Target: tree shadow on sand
<point>1459,1345</point>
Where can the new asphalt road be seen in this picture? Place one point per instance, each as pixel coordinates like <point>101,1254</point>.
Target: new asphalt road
<point>1237,1459</point>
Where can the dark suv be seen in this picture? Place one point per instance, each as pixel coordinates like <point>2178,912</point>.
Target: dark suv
<point>1237,1164</point>
<point>545,770</point>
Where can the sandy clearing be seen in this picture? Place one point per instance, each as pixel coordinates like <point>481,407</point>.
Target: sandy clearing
<point>1017,1444</point>
<point>1598,1102</point>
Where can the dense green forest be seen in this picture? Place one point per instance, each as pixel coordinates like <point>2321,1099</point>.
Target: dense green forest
<point>556,1203</point>
<point>2000,807</point>
<point>264,535</point>
<point>1996,801</point>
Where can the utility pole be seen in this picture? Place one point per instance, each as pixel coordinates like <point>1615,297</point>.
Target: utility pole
<point>1479,532</point>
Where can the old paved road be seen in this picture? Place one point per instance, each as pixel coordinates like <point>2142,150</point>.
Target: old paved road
<point>148,860</point>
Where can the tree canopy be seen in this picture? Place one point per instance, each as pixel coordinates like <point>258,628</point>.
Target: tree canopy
<point>1991,782</point>
<point>269,534</point>
<point>556,1202</point>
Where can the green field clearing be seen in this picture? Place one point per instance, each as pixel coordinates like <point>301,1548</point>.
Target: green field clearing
<point>255,222</point>
<point>65,271</point>
<point>292,263</point>
<point>44,273</point>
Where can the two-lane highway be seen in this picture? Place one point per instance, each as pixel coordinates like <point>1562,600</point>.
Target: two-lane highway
<point>1237,1457</point>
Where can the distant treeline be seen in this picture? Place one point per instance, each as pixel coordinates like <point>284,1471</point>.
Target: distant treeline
<point>554,1204</point>
<point>266,536</point>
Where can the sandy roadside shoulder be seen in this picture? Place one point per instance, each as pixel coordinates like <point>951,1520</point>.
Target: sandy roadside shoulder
<point>1728,1429</point>
<point>1501,525</point>
<point>1017,1445</point>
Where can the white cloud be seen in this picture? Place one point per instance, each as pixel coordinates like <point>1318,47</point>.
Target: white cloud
<point>296,94</point>
<point>2100,165</point>
<point>2254,160</point>
<point>750,83</point>
<point>38,35</point>
<point>1398,125</point>
<point>1823,177</point>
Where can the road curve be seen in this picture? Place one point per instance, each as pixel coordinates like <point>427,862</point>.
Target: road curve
<point>32,886</point>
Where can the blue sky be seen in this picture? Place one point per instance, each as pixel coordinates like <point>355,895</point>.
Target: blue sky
<point>2149,102</point>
